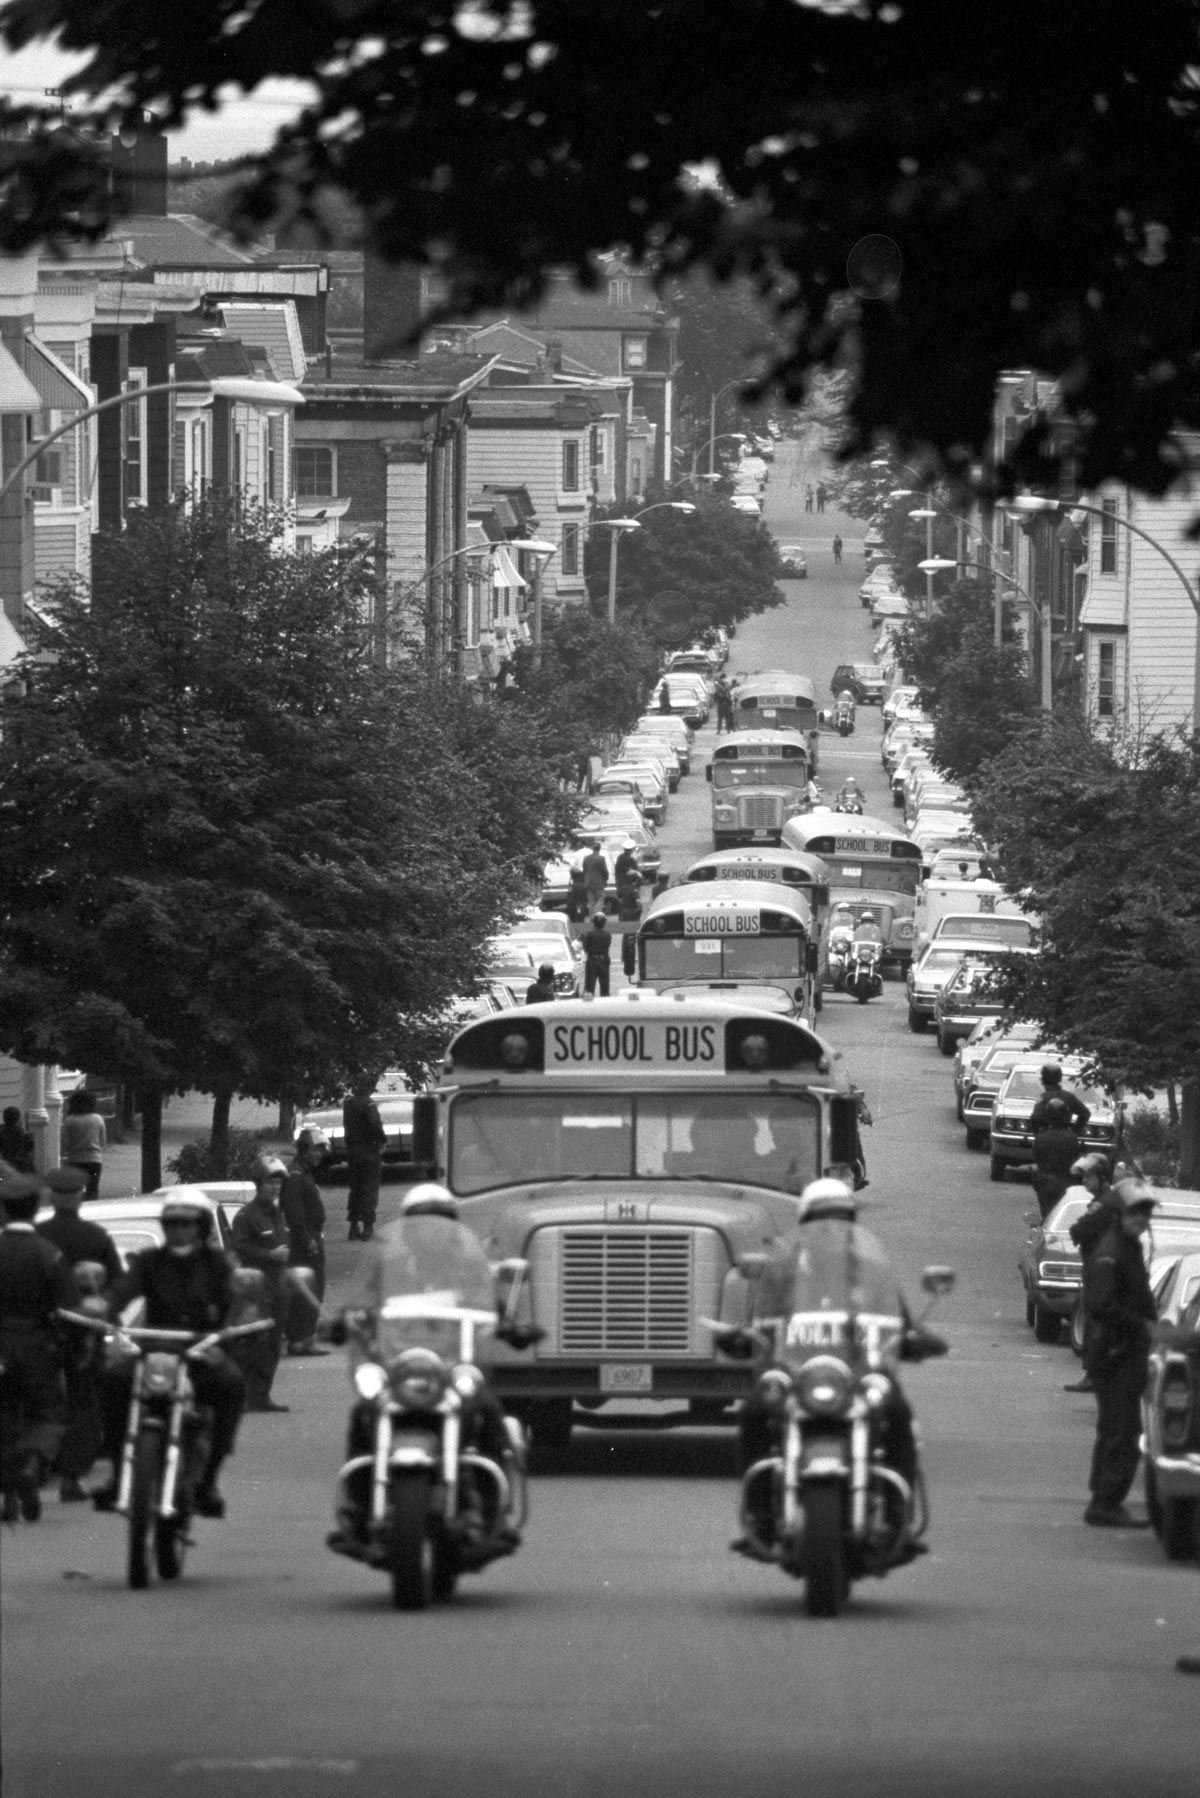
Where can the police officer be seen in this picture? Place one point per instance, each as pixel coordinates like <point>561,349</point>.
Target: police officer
<point>92,1255</point>
<point>541,991</point>
<point>1120,1324</point>
<point>187,1284</point>
<point>35,1280</point>
<point>597,947</point>
<point>303,1211</point>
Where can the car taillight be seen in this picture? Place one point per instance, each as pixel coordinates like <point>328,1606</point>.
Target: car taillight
<point>1177,1403</point>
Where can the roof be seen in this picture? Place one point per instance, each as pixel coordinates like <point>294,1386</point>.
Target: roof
<point>60,388</point>
<point>432,377</point>
<point>273,328</point>
<point>178,241</point>
<point>211,356</point>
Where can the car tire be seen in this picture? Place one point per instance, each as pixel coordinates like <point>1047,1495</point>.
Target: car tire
<point>974,1139</point>
<point>1154,1508</point>
<point>897,800</point>
<point>1047,1325</point>
<point>1030,1310</point>
<point>945,1043</point>
<point>918,1023</point>
<point>996,1167</point>
<point>1178,1528</point>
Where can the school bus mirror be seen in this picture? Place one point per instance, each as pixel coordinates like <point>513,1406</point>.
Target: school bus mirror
<point>708,773</point>
<point>812,960</point>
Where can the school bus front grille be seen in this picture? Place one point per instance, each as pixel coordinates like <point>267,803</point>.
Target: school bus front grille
<point>759,811</point>
<point>626,1291</point>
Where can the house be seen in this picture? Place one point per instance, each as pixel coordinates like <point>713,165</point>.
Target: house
<point>1139,630</point>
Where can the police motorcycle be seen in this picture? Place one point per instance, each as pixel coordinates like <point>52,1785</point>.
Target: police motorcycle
<point>843,714</point>
<point>167,1438</point>
<point>825,1505</point>
<point>841,941</point>
<point>417,1498</point>
<point>849,799</point>
<point>864,975</point>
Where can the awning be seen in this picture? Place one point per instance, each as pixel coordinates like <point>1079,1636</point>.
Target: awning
<point>17,391</point>
<point>61,390</point>
<point>504,572</point>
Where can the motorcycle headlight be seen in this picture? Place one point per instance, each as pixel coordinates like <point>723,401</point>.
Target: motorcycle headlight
<point>369,1379</point>
<point>774,1389</point>
<point>418,1379</point>
<point>825,1386</point>
<point>875,1389</point>
<point>466,1380</point>
<point>158,1373</point>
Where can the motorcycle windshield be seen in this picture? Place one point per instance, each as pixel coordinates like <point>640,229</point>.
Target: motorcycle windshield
<point>422,1268</point>
<point>832,1292</point>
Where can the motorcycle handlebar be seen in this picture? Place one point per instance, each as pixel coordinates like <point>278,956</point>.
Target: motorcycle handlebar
<point>195,1339</point>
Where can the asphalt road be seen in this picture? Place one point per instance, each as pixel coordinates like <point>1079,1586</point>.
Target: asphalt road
<point>624,1651</point>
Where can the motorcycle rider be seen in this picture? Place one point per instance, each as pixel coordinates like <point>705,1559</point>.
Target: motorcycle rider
<point>187,1284</point>
<point>841,935</point>
<point>850,1266</point>
<point>429,1250</point>
<point>850,797</point>
<point>867,930</point>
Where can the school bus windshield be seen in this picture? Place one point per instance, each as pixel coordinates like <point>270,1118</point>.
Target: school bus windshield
<point>879,874</point>
<point>724,958</point>
<point>509,1139</point>
<point>760,773</point>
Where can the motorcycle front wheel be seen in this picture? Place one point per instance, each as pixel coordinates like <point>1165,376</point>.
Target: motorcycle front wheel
<point>147,1471</point>
<point>170,1546</point>
<point>410,1558</point>
<point>827,1582</point>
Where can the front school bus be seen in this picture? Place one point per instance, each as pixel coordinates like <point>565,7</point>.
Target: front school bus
<point>630,1151</point>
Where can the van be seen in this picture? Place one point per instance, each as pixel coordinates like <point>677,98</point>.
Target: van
<point>963,900</point>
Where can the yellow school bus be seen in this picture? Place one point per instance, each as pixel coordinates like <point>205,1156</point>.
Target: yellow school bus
<point>629,1151</point>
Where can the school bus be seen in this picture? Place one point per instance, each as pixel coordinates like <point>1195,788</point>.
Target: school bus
<point>759,780</point>
<point>629,1151</point>
<point>872,865</point>
<point>773,699</point>
<point>787,866</point>
<point>733,933</point>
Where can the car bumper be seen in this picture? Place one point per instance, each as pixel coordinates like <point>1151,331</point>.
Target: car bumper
<point>925,1003</point>
<point>1058,1296</point>
<point>1177,1477</point>
<point>1009,1145</point>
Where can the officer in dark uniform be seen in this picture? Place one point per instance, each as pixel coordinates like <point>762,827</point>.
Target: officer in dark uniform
<point>187,1284</point>
<point>92,1255</point>
<point>541,991</point>
<point>597,949</point>
<point>35,1279</point>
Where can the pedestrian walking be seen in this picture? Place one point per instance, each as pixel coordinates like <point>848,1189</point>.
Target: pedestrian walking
<point>597,947</point>
<point>541,991</point>
<point>837,552</point>
<point>822,494</point>
<point>259,1240</point>
<point>84,1139</point>
<point>808,498</point>
<point>35,1280</point>
<point>303,1211</point>
<point>595,876</point>
<point>365,1138</point>
<point>16,1142</point>
<point>1120,1312</point>
<point>92,1256</point>
<point>629,912</point>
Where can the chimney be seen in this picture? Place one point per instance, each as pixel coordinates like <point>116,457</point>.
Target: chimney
<point>139,170</point>
<point>391,308</point>
<point>554,351</point>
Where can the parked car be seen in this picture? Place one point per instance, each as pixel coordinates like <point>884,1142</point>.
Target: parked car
<point>1050,1265</point>
<point>968,996</point>
<point>867,681</point>
<point>746,502</point>
<point>135,1223</point>
<point>888,605</point>
<point>881,579</point>
<point>902,701</point>
<point>508,955</point>
<point>913,759</point>
<point>1171,1417</point>
<point>646,780</point>
<point>393,1095</point>
<point>653,749</point>
<point>932,967</point>
<point>687,697</point>
<point>795,560</point>
<point>675,731</point>
<point>981,1078</point>
<point>1011,1135</point>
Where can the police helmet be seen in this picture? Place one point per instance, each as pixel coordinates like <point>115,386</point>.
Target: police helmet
<point>546,971</point>
<point>826,1198</point>
<point>866,917</point>
<point>1094,1163</point>
<point>191,1211</point>
<point>599,920</point>
<point>429,1199</point>
<point>313,1138</point>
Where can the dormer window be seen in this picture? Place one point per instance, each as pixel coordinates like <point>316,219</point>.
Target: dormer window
<point>633,352</point>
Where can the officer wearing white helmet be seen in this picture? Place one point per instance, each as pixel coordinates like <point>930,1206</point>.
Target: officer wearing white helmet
<point>831,1264</point>
<point>867,929</point>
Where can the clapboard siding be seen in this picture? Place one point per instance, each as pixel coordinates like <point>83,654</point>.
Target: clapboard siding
<point>1162,622</point>
<point>530,455</point>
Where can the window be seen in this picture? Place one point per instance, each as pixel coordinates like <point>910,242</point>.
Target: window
<point>1106,679</point>
<point>635,474</point>
<point>597,446</point>
<point>1108,538</point>
<point>304,543</point>
<point>633,350</point>
<point>198,472</point>
<point>135,439</point>
<point>620,292</point>
<point>569,561</point>
<point>570,467</point>
<point>315,471</point>
<point>47,470</point>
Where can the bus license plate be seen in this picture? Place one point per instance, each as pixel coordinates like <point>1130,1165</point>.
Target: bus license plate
<point>760,833</point>
<point>626,1376</point>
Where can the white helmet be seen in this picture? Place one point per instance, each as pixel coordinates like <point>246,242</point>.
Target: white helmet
<point>826,1198</point>
<point>429,1199</point>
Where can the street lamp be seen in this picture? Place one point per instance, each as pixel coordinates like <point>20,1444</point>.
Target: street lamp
<point>710,446</point>
<point>541,553</point>
<point>224,387</point>
<point>1042,613</point>
<point>617,525</point>
<point>1031,503</point>
<point>712,425</point>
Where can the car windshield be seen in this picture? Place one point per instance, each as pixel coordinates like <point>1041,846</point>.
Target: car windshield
<point>1065,1214</point>
<point>509,1139</point>
<point>939,958</point>
<point>760,774</point>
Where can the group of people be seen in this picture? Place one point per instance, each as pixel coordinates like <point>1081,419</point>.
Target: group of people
<point>585,910</point>
<point>62,1406</point>
<point>820,493</point>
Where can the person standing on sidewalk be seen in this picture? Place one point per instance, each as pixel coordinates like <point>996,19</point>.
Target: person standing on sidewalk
<point>35,1280</point>
<point>304,1215</point>
<point>629,912</point>
<point>92,1256</point>
<point>837,552</point>
<point>259,1239</point>
<point>84,1139</point>
<point>595,875</point>
<point>597,948</point>
<point>364,1159</point>
<point>1120,1323</point>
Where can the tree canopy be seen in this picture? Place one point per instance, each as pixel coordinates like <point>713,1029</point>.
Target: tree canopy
<point>927,192</point>
<point>723,562</point>
<point>978,694</point>
<point>239,855</point>
<point>1104,839</point>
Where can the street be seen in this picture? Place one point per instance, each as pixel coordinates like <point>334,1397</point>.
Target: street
<point>624,1651</point>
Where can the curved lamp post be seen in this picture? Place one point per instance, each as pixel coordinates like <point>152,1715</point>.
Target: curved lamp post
<point>617,525</point>
<point>712,426</point>
<point>1027,503</point>
<point>223,387</point>
<point>934,563</point>
<point>710,446</point>
<point>541,553</point>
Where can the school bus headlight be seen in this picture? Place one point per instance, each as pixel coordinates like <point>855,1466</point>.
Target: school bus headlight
<point>904,927</point>
<point>514,1049</point>
<point>755,1052</point>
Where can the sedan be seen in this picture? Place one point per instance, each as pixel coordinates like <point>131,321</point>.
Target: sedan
<point>888,605</point>
<point>1171,1417</point>
<point>507,954</point>
<point>649,785</point>
<point>652,749</point>
<point>746,502</point>
<point>929,971</point>
<point>968,997</point>
<point>394,1096</point>
<point>1011,1129</point>
<point>136,1223</point>
<point>985,1067</point>
<point>1050,1265</point>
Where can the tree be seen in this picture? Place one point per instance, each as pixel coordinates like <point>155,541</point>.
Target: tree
<point>978,696</point>
<point>1103,839</point>
<point>591,682</point>
<point>721,560</point>
<point>931,194</point>
<point>238,853</point>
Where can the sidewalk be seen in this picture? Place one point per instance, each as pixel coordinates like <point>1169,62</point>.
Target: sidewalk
<point>187,1118</point>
